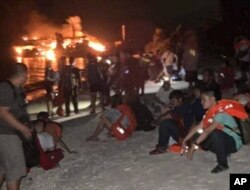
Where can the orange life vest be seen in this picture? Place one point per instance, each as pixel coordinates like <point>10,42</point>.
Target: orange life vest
<point>231,107</point>
<point>117,129</point>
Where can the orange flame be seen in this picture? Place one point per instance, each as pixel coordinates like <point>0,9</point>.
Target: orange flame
<point>18,50</point>
<point>50,55</point>
<point>97,46</point>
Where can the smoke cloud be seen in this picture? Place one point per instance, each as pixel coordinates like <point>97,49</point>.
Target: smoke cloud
<point>40,26</point>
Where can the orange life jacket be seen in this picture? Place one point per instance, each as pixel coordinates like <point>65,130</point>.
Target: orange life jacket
<point>231,107</point>
<point>117,129</point>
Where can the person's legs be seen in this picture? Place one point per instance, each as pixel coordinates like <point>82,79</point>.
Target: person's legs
<point>98,130</point>
<point>92,101</point>
<point>101,97</point>
<point>13,185</point>
<point>67,103</point>
<point>104,123</point>
<point>142,89</point>
<point>167,129</point>
<point>13,157</point>
<point>1,181</point>
<point>49,105</point>
<point>75,101</point>
<point>222,145</point>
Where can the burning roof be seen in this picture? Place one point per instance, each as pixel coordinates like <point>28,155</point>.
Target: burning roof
<point>53,42</point>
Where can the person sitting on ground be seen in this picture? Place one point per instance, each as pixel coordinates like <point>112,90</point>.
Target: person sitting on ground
<point>119,120</point>
<point>161,101</point>
<point>174,123</point>
<point>216,132</point>
<point>54,129</point>
<point>49,155</point>
<point>45,139</point>
<point>197,107</point>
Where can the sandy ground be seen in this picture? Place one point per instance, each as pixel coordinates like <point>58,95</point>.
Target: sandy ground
<point>114,165</point>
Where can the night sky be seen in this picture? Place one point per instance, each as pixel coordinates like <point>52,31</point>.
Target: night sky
<point>104,17</point>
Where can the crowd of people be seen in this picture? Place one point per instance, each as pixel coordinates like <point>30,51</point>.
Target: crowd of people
<point>199,118</point>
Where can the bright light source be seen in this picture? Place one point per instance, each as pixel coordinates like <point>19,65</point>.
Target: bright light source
<point>53,45</point>
<point>19,59</point>
<point>96,46</point>
<point>18,50</point>
<point>165,78</point>
<point>50,55</point>
<point>25,38</point>
<point>192,52</point>
<point>108,61</point>
<point>99,58</point>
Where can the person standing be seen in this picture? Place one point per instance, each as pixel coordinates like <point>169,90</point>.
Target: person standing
<point>71,82</point>
<point>190,57</point>
<point>169,60</point>
<point>96,82</point>
<point>48,84</point>
<point>13,117</point>
<point>242,54</point>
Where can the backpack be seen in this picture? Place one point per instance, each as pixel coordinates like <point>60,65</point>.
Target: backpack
<point>143,116</point>
<point>49,159</point>
<point>31,152</point>
<point>244,127</point>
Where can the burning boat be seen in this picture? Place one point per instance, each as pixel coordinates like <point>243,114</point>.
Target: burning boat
<point>34,50</point>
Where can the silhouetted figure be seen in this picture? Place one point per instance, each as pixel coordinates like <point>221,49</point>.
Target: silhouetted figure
<point>96,82</point>
<point>48,84</point>
<point>70,82</point>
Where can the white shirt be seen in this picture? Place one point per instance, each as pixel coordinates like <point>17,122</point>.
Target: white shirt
<point>46,141</point>
<point>163,95</point>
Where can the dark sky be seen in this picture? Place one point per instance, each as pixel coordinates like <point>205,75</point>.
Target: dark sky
<point>104,17</point>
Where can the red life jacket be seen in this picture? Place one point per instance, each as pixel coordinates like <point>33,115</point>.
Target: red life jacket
<point>231,107</point>
<point>118,130</point>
